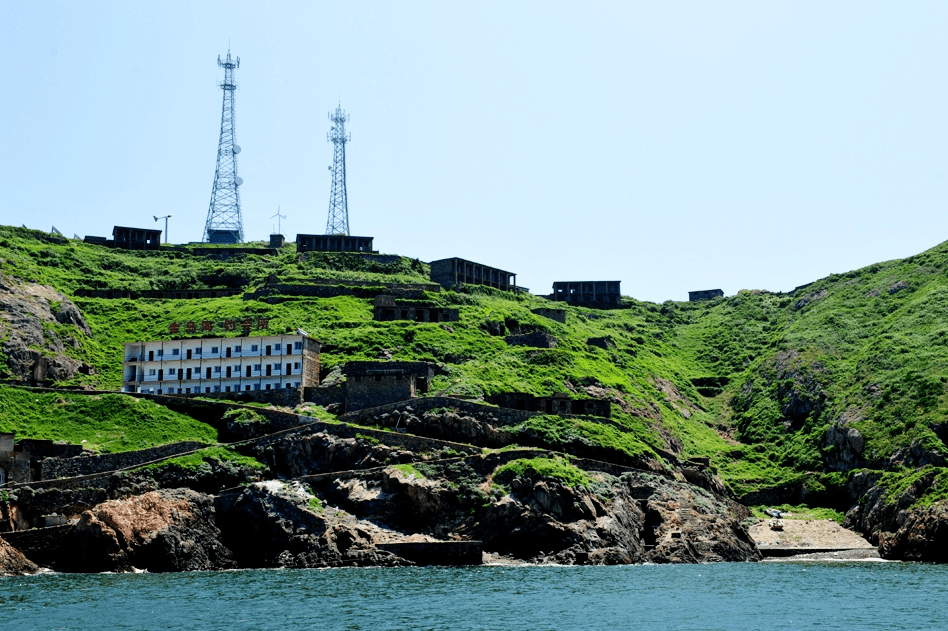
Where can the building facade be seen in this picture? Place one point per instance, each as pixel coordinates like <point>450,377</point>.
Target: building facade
<point>221,365</point>
<point>388,309</point>
<point>136,238</point>
<point>603,293</point>
<point>333,243</point>
<point>450,272</point>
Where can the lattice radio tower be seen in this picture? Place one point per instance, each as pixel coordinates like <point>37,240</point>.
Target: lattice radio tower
<point>338,222</point>
<point>224,223</point>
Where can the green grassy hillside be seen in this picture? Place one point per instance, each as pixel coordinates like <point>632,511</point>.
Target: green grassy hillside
<point>845,374</point>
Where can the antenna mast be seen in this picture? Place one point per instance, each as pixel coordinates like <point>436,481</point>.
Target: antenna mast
<point>224,223</point>
<point>338,222</point>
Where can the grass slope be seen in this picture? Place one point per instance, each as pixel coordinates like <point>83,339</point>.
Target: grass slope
<point>756,381</point>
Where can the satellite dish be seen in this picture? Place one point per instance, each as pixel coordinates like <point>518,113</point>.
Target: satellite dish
<point>238,181</point>
<point>236,149</point>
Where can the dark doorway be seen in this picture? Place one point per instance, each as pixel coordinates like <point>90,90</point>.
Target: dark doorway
<point>269,369</point>
<point>189,353</point>
<point>228,353</point>
<point>189,372</point>
<point>151,356</point>
<point>161,374</point>
<point>248,371</point>
<point>228,368</point>
<point>268,349</point>
<point>208,373</point>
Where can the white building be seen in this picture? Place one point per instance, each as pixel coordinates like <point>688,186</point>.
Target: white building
<point>222,364</point>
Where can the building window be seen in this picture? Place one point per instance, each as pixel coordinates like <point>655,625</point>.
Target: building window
<point>160,352</point>
<point>253,348</point>
<point>214,350</point>
<point>268,386</point>
<point>159,390</point>
<point>197,351</point>
<point>298,345</point>
<point>171,372</point>
<point>179,390</point>
<point>186,391</point>
<point>151,372</point>
<point>245,387</point>
<point>296,366</point>
<point>256,367</point>
<point>297,384</point>
<point>236,349</point>
<point>256,386</point>
<point>207,390</point>
<point>175,351</point>
<point>276,347</point>
<point>217,369</point>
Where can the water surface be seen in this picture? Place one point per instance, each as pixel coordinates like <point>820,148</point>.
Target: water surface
<point>717,596</point>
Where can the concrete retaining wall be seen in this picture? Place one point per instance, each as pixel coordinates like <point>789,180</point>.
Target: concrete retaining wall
<point>52,468</point>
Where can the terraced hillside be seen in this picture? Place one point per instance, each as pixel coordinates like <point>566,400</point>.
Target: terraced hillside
<point>829,394</point>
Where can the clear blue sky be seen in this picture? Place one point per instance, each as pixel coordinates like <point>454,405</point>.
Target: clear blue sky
<point>671,145</point>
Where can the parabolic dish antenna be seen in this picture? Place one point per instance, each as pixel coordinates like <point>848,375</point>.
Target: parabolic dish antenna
<point>238,180</point>
<point>236,149</point>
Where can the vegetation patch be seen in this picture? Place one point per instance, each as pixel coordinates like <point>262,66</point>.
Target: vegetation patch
<point>409,470</point>
<point>551,468</point>
<point>103,423</point>
<point>203,458</point>
<point>801,511</point>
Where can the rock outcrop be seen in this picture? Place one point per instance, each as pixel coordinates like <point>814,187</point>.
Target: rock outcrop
<point>271,524</point>
<point>13,562</point>
<point>901,531</point>
<point>161,531</point>
<point>24,308</point>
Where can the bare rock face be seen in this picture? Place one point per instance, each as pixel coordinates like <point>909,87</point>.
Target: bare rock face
<point>12,561</point>
<point>161,531</point>
<point>24,307</point>
<point>901,531</point>
<point>921,536</point>
<point>272,525</point>
<point>635,518</point>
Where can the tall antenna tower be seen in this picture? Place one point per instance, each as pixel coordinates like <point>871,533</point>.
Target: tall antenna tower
<point>338,222</point>
<point>224,224</point>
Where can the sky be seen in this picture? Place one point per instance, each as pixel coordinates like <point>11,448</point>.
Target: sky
<point>674,146</point>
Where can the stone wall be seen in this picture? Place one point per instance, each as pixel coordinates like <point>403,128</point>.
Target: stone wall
<point>279,292</point>
<point>52,468</point>
<point>163,295</point>
<point>554,314</point>
<point>437,552</point>
<point>501,416</point>
<point>39,545</point>
<point>325,395</point>
<point>705,294</point>
<point>537,339</point>
<point>366,391</point>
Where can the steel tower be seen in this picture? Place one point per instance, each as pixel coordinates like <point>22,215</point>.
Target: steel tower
<point>224,223</point>
<point>338,222</point>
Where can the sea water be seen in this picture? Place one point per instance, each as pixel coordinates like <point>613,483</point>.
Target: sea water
<point>798,595</point>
